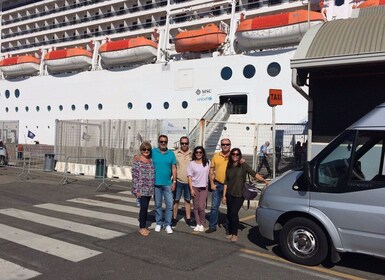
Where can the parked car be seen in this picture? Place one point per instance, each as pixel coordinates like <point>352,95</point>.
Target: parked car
<point>336,202</point>
<point>3,156</point>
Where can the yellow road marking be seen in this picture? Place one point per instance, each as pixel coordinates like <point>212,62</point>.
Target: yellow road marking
<point>247,218</point>
<point>315,268</point>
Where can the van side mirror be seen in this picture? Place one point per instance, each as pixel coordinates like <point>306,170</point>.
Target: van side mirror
<point>308,172</point>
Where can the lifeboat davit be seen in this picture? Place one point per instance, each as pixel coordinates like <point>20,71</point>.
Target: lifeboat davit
<point>278,30</point>
<point>73,59</point>
<point>208,38</point>
<point>18,66</point>
<point>128,51</point>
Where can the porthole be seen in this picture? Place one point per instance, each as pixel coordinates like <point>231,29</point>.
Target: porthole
<point>73,107</point>
<point>247,128</point>
<point>60,107</point>
<point>16,109</point>
<point>6,109</point>
<point>100,106</point>
<point>249,71</point>
<point>339,3</point>
<point>86,107</point>
<point>148,106</point>
<point>37,108</point>
<point>26,108</point>
<point>17,93</point>
<point>184,104</point>
<point>224,128</point>
<point>226,73</point>
<point>7,94</point>
<point>129,105</point>
<point>273,69</point>
<point>48,108</point>
<point>166,105</point>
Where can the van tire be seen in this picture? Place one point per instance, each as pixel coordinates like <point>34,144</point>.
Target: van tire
<point>303,241</point>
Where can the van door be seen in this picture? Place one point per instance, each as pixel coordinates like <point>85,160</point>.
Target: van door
<point>350,190</point>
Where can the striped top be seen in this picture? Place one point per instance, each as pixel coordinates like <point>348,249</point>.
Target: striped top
<point>143,178</point>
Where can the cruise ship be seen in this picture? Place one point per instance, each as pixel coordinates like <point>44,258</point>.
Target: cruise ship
<point>150,59</point>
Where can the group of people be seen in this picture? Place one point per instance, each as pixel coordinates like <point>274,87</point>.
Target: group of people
<point>170,174</point>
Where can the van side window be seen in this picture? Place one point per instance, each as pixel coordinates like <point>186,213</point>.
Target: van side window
<point>368,158</point>
<point>332,171</point>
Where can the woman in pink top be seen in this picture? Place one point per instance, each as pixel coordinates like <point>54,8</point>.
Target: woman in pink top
<point>198,175</point>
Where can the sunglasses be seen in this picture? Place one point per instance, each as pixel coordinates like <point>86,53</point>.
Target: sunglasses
<point>199,152</point>
<point>146,150</point>
<point>163,142</point>
<point>225,144</point>
<point>184,143</point>
<point>235,154</point>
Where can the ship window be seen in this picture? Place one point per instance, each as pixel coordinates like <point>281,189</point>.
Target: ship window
<point>236,104</point>
<point>226,73</point>
<point>166,105</point>
<point>339,3</point>
<point>61,107</point>
<point>249,71</point>
<point>73,107</point>
<point>129,105</point>
<point>26,108</point>
<point>17,109</point>
<point>17,93</point>
<point>48,108</point>
<point>273,69</point>
<point>184,104</point>
<point>100,106</point>
<point>148,105</point>
<point>6,109</point>
<point>7,94</point>
<point>86,107</point>
<point>37,108</point>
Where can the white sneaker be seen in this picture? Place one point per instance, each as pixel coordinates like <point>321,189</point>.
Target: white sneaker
<point>158,228</point>
<point>199,228</point>
<point>169,230</point>
<point>202,228</point>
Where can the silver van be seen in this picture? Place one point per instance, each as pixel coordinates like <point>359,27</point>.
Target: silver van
<point>336,202</point>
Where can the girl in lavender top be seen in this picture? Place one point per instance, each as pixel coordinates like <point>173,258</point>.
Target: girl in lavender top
<point>143,176</point>
<point>198,174</point>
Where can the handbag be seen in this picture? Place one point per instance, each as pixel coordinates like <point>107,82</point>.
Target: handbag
<point>250,190</point>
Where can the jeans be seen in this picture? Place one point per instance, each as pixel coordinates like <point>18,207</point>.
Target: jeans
<point>216,202</point>
<point>182,187</point>
<point>160,192</point>
<point>144,201</point>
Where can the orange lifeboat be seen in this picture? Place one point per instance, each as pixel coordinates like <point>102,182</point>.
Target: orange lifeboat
<point>128,51</point>
<point>18,66</point>
<point>208,38</point>
<point>278,30</point>
<point>73,59</point>
<point>371,3</point>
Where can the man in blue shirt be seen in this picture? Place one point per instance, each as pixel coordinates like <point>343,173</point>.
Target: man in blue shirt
<point>164,162</point>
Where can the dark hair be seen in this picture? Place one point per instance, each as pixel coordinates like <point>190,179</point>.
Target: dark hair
<point>231,161</point>
<point>162,136</point>
<point>204,156</point>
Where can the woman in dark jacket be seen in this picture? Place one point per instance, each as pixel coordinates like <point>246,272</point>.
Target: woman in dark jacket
<point>233,188</point>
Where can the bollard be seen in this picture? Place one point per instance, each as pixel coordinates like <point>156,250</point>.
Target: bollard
<point>100,168</point>
<point>49,162</point>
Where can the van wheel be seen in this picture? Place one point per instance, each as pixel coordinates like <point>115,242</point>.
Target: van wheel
<point>303,241</point>
<point>2,160</point>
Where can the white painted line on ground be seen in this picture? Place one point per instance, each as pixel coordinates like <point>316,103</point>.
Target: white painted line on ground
<point>90,213</point>
<point>123,198</point>
<point>45,244</point>
<point>104,204</point>
<point>11,271</point>
<point>89,230</point>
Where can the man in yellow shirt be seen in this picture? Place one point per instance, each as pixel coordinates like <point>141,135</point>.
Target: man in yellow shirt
<point>218,167</point>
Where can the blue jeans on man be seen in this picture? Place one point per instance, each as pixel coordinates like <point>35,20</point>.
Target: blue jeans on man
<point>215,203</point>
<point>160,192</point>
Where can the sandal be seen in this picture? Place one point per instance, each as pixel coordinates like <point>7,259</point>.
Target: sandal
<point>234,238</point>
<point>143,232</point>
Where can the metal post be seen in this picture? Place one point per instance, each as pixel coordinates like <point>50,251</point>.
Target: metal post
<point>273,138</point>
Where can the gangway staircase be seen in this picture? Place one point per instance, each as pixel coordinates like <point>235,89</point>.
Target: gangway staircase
<point>208,130</point>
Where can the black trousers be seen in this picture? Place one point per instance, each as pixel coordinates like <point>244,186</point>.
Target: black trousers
<point>144,202</point>
<point>234,204</point>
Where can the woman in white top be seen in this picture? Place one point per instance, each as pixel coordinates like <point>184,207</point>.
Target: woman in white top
<point>198,175</point>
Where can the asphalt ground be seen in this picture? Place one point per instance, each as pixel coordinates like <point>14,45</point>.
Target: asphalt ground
<point>86,255</point>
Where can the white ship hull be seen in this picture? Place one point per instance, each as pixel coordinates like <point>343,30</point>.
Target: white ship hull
<point>197,83</point>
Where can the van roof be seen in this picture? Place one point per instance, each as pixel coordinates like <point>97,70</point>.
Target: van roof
<point>374,120</point>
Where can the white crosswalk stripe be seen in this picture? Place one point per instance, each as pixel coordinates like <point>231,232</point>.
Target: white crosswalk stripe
<point>89,230</point>
<point>11,271</point>
<point>122,198</point>
<point>89,213</point>
<point>45,244</point>
<point>104,204</point>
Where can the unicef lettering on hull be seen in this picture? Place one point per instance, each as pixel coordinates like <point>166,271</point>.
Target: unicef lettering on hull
<point>335,202</point>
